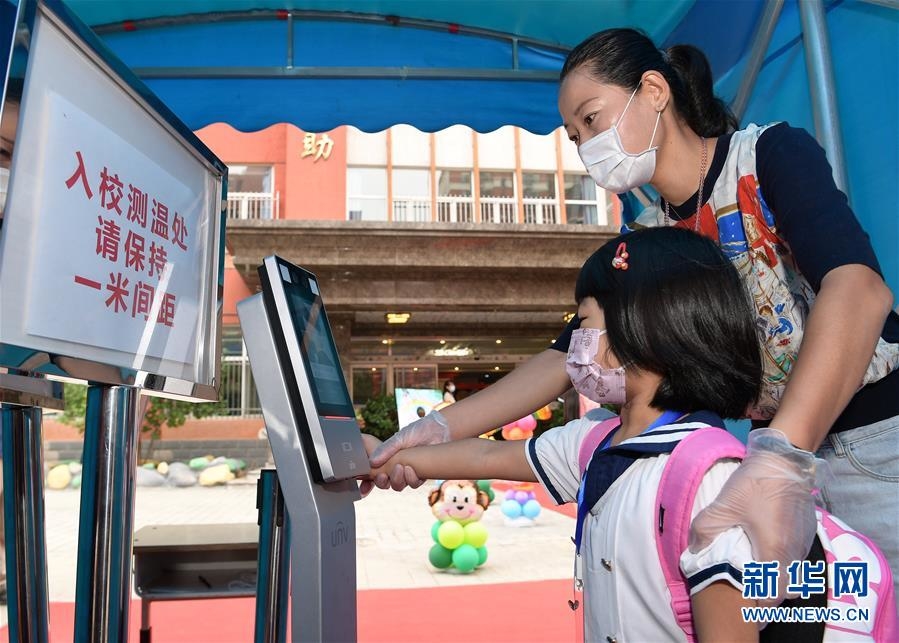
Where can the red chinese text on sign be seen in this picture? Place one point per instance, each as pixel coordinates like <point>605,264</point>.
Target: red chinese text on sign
<point>80,173</point>
<point>110,191</point>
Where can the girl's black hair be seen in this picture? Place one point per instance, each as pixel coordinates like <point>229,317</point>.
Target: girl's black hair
<point>680,310</point>
<point>621,57</point>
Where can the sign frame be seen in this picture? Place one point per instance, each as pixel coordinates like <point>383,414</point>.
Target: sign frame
<point>201,378</point>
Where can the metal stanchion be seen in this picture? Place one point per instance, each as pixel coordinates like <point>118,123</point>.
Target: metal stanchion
<point>272,580</point>
<point>105,532</point>
<point>23,507</point>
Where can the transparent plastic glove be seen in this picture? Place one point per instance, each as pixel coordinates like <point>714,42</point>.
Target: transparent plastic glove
<point>431,429</point>
<point>770,497</point>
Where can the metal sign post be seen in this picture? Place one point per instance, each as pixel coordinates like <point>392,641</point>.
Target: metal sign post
<point>111,273</point>
<point>23,503</point>
<point>103,582</point>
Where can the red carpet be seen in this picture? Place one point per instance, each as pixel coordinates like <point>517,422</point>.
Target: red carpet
<point>514,612</point>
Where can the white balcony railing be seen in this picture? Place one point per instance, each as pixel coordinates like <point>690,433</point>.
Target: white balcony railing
<point>455,209</point>
<point>237,390</point>
<point>498,210</point>
<point>541,211</point>
<point>253,205</point>
<point>412,209</point>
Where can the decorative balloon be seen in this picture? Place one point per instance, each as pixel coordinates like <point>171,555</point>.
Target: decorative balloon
<point>520,506</point>
<point>459,536</point>
<point>520,429</point>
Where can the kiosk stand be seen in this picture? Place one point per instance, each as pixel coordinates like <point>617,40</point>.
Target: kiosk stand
<point>315,442</point>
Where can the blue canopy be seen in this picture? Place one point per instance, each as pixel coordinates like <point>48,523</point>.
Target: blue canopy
<point>487,63</point>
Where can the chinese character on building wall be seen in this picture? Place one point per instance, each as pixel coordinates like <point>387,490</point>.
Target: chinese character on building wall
<point>317,146</point>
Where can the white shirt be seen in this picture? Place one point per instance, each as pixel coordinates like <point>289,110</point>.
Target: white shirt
<point>625,596</point>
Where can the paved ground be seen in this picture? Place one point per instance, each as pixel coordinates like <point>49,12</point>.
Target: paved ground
<point>393,536</point>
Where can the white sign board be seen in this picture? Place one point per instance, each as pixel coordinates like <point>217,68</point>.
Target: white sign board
<point>111,239</point>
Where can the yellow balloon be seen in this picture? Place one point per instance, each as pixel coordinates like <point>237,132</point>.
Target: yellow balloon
<point>451,534</point>
<point>475,534</point>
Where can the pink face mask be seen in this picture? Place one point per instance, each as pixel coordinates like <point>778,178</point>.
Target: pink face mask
<point>602,385</point>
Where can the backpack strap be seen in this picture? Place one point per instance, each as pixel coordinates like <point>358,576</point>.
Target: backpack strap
<point>593,439</point>
<point>683,473</point>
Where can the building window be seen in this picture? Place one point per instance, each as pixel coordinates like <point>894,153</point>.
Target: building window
<point>454,202</point>
<point>411,194</point>
<point>237,391</point>
<point>366,189</point>
<point>539,197</point>
<point>251,192</point>
<point>368,382</point>
<point>498,197</point>
<point>581,203</point>
<point>415,376</point>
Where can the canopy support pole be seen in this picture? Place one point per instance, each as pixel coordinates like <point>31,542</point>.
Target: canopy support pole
<point>821,87</point>
<point>760,41</point>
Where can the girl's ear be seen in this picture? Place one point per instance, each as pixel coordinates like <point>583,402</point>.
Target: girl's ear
<point>657,89</point>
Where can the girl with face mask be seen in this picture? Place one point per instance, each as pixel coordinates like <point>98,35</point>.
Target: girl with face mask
<point>667,334</point>
<point>766,195</point>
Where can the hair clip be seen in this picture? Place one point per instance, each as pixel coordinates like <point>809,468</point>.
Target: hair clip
<point>619,261</point>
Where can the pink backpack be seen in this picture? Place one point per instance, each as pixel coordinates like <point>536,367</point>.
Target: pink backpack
<point>683,473</point>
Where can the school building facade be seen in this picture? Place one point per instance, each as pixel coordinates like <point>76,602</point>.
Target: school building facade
<point>447,255</point>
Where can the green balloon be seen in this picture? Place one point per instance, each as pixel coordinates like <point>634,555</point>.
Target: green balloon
<point>484,485</point>
<point>490,494</point>
<point>434,529</point>
<point>451,534</point>
<point>475,534</point>
<point>440,557</point>
<point>482,555</point>
<point>465,558</point>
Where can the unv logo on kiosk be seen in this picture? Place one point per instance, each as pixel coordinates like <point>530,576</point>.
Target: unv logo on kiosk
<point>340,535</point>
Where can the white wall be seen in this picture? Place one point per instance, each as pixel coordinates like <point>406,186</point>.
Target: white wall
<point>496,150</point>
<point>364,148</point>
<point>410,147</point>
<point>454,147</point>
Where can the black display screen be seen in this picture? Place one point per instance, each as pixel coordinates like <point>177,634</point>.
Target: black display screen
<point>307,312</point>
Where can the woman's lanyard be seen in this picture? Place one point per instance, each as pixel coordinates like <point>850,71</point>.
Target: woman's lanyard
<point>583,507</point>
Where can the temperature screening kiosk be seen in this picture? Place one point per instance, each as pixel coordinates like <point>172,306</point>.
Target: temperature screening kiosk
<point>315,441</point>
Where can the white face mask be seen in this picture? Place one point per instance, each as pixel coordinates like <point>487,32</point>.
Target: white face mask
<point>610,166</point>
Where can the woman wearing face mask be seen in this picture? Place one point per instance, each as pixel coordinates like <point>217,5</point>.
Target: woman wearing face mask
<point>766,195</point>
<point>449,392</point>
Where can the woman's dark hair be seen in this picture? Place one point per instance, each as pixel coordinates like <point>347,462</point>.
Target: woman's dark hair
<point>621,57</point>
<point>679,310</point>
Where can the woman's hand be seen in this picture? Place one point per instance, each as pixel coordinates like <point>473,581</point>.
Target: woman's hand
<point>770,497</point>
<point>431,429</point>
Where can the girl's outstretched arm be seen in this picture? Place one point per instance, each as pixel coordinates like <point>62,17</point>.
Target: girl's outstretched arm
<point>471,459</point>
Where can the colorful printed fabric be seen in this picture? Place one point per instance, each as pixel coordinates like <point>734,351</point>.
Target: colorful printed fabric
<point>737,217</point>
